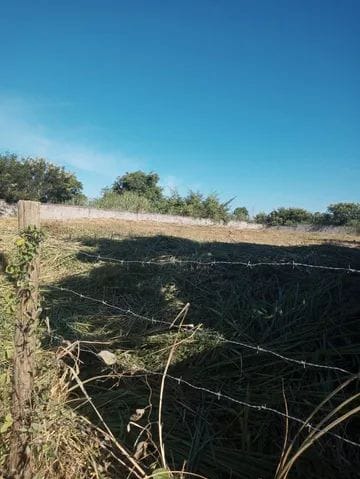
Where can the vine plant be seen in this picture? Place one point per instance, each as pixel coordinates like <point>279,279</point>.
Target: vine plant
<point>19,271</point>
<point>23,271</point>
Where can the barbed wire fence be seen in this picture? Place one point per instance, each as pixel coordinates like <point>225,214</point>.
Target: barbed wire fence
<point>247,264</point>
<point>258,349</point>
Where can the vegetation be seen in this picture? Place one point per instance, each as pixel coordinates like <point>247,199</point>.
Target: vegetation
<point>303,314</point>
<point>141,192</point>
<point>127,201</point>
<point>39,180</point>
<point>142,184</point>
<point>339,214</point>
<point>286,217</point>
<point>241,214</point>
<point>36,179</point>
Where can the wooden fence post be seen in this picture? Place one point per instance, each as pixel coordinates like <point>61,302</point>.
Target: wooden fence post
<point>20,460</point>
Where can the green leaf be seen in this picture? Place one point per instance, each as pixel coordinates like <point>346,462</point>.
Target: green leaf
<point>6,424</point>
<point>161,473</point>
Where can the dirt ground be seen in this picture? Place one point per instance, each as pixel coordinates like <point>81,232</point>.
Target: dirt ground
<point>121,228</point>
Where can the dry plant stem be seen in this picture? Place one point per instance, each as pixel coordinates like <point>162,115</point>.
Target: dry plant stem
<point>182,313</point>
<point>286,463</point>
<point>308,442</point>
<point>330,415</point>
<point>286,430</point>
<point>106,436</point>
<point>192,474</point>
<point>140,473</point>
<point>308,419</point>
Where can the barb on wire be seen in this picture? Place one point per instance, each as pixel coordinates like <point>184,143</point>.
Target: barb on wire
<point>259,407</point>
<point>247,264</point>
<point>300,362</point>
<point>128,312</point>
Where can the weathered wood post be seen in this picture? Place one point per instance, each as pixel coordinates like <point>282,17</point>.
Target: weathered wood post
<point>20,461</point>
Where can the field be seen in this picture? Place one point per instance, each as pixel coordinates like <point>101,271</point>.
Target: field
<point>193,418</point>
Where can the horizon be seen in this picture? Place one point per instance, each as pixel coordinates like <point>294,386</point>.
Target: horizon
<point>257,100</point>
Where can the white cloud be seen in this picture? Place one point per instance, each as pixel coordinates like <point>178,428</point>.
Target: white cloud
<point>22,131</point>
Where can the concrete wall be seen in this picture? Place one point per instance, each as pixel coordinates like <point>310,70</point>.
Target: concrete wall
<point>66,212</point>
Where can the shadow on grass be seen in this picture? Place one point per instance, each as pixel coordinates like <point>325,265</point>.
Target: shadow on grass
<point>305,314</point>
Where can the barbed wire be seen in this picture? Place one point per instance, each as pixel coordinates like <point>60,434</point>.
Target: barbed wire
<point>248,264</point>
<point>303,363</point>
<point>128,312</point>
<point>190,327</point>
<point>218,394</point>
<point>259,407</point>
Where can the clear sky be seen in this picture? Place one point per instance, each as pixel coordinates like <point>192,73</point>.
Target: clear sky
<point>257,99</point>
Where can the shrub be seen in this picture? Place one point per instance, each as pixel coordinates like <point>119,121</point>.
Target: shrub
<point>288,217</point>
<point>261,218</point>
<point>241,214</point>
<point>128,201</point>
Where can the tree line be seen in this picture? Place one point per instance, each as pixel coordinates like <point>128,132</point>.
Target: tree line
<point>39,180</point>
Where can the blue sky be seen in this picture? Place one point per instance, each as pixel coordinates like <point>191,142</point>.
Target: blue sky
<point>256,99</point>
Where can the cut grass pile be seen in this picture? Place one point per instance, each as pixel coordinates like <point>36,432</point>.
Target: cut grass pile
<point>303,314</point>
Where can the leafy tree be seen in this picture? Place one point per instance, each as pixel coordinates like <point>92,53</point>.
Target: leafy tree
<point>143,184</point>
<point>344,213</point>
<point>36,179</point>
<point>241,214</point>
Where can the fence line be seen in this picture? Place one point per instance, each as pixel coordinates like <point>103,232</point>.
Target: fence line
<point>248,264</point>
<point>259,407</point>
<point>190,327</point>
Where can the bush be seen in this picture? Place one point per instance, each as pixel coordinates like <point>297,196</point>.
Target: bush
<point>321,219</point>
<point>198,206</point>
<point>128,201</point>
<point>212,208</point>
<point>288,217</point>
<point>36,179</point>
<point>241,214</point>
<point>261,218</point>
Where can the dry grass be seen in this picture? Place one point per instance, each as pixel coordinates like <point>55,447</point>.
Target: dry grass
<point>304,315</point>
<point>202,233</point>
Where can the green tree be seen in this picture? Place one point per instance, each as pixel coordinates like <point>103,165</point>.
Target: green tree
<point>36,179</point>
<point>344,213</point>
<point>241,214</point>
<point>143,184</point>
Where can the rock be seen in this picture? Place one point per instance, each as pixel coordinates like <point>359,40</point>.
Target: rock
<point>6,209</point>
